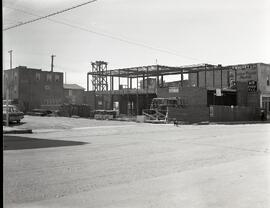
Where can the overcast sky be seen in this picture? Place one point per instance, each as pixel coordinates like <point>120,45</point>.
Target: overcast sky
<point>173,32</point>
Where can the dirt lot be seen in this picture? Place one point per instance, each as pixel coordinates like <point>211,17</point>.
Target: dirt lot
<point>49,123</point>
<point>86,163</point>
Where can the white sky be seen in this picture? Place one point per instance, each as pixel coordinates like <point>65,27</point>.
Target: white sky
<point>209,31</point>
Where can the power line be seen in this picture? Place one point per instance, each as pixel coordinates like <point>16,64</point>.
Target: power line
<point>111,36</point>
<point>49,15</point>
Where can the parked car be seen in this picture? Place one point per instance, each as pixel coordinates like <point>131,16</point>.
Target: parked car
<point>13,114</point>
<point>39,112</point>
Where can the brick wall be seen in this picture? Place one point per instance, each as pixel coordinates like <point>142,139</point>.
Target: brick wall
<point>189,114</point>
<point>237,113</point>
<point>89,99</point>
<point>74,96</point>
<point>193,96</point>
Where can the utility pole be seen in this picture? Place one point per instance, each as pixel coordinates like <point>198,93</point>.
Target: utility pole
<point>52,62</point>
<point>7,93</point>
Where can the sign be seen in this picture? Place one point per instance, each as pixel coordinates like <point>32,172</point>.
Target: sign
<point>246,72</point>
<point>173,89</point>
<point>218,92</point>
<point>252,86</point>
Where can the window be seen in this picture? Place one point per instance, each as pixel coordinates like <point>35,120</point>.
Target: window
<point>49,77</point>
<point>15,75</point>
<point>268,82</point>
<point>37,76</point>
<point>69,92</point>
<point>264,105</point>
<point>15,89</point>
<point>57,78</point>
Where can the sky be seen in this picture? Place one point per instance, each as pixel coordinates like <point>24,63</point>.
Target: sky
<point>127,33</point>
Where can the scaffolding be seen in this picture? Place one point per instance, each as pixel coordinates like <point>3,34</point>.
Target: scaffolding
<point>99,76</point>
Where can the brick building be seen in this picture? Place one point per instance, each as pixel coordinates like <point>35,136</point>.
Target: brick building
<point>34,88</point>
<point>252,80</point>
<point>74,94</point>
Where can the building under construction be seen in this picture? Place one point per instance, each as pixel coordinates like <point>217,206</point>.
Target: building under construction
<point>204,92</point>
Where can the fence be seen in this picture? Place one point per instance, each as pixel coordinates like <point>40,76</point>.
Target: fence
<point>233,113</point>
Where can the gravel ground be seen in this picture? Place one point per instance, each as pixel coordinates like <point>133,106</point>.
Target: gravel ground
<point>38,123</point>
<point>126,164</point>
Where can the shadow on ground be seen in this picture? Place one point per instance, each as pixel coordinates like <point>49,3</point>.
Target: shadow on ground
<point>18,143</point>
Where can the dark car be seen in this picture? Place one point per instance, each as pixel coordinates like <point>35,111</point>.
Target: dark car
<point>39,112</point>
<point>13,114</point>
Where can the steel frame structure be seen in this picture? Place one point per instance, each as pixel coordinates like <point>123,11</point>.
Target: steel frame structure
<point>99,76</point>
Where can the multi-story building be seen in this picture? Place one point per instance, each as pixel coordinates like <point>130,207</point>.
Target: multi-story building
<point>33,88</point>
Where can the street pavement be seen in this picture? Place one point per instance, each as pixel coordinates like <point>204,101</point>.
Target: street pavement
<point>126,164</point>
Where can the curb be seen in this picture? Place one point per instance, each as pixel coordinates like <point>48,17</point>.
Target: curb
<point>18,131</point>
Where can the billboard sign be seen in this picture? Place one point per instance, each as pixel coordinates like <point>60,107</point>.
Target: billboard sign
<point>252,86</point>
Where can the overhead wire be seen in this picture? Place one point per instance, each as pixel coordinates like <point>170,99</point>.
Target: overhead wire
<point>104,34</point>
<point>50,15</point>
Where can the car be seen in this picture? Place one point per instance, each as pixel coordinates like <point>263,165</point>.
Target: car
<point>39,112</point>
<point>14,115</point>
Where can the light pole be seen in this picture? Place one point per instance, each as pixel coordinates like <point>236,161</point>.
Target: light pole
<point>7,92</point>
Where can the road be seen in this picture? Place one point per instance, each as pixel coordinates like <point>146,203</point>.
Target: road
<point>125,164</point>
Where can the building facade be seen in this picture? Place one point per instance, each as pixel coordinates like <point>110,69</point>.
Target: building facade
<point>33,88</point>
<point>241,89</point>
<point>250,80</point>
<point>74,94</point>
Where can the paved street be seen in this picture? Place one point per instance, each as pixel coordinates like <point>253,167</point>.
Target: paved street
<point>86,163</point>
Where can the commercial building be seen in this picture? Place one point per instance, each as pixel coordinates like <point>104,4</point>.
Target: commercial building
<point>242,90</point>
<point>33,88</point>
